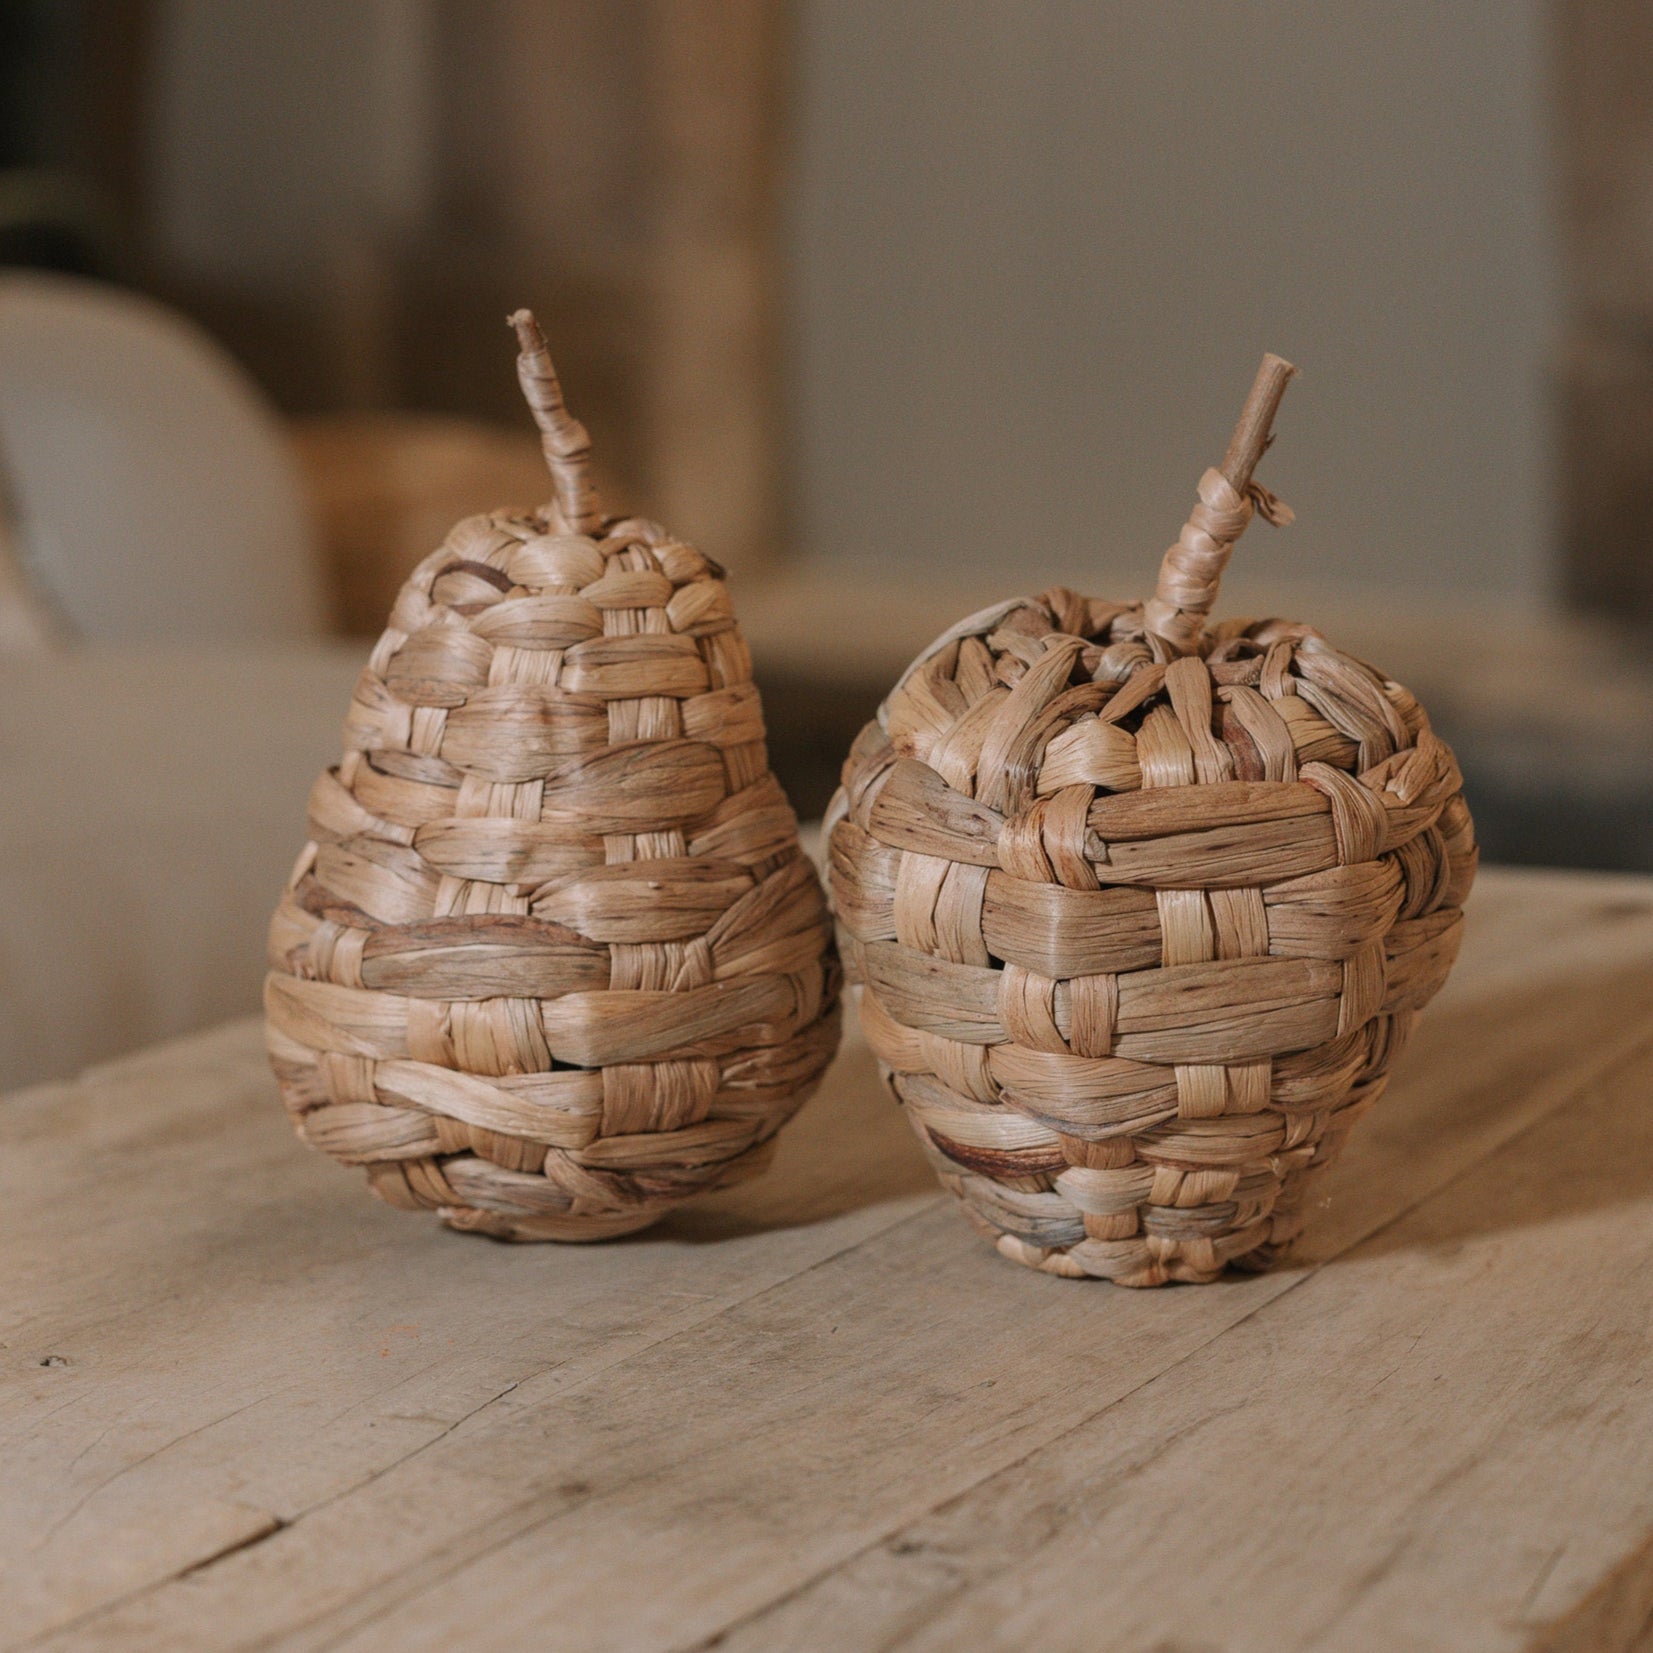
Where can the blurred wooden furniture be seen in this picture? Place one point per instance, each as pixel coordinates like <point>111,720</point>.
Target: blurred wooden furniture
<point>611,163</point>
<point>385,488</point>
<point>1603,70</point>
<point>615,164</point>
<point>245,1407</point>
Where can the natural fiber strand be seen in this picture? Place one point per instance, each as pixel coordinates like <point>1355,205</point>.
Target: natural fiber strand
<point>553,959</point>
<point>1142,909</point>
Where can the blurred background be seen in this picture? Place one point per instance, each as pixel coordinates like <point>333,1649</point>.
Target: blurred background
<point>895,307</point>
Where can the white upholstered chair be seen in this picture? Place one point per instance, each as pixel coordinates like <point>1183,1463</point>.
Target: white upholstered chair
<point>150,491</point>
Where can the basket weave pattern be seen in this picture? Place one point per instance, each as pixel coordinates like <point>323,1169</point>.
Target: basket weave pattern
<point>1142,910</point>
<point>553,959</point>
<point>1139,938</point>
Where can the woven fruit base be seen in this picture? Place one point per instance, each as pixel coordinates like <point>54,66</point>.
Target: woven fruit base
<point>1142,912</point>
<point>553,959</point>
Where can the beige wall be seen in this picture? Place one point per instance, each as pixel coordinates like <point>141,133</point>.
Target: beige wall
<point>1039,247</point>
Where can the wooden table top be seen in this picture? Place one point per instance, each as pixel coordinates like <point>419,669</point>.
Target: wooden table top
<point>242,1404</point>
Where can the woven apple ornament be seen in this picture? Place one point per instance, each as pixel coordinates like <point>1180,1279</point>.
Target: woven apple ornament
<point>1143,909</point>
<point>553,959</point>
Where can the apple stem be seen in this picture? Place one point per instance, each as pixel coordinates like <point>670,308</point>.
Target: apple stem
<point>565,441</point>
<point>1192,569</point>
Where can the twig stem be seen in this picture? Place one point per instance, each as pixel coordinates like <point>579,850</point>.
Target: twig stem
<point>1255,430</point>
<point>1192,569</point>
<point>563,438</point>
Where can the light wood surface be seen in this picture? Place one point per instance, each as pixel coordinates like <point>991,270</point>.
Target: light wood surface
<point>242,1405</point>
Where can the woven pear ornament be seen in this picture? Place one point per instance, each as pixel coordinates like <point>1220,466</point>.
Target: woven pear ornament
<point>1142,909</point>
<point>553,959</point>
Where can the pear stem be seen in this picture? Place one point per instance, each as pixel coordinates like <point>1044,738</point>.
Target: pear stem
<point>1255,431</point>
<point>1192,569</point>
<point>565,441</point>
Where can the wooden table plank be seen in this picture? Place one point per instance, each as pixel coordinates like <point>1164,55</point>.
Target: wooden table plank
<point>1443,1441</point>
<point>213,1314</point>
<point>394,1437</point>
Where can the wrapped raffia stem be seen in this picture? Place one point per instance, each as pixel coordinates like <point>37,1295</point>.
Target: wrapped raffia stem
<point>553,959</point>
<point>1142,909</point>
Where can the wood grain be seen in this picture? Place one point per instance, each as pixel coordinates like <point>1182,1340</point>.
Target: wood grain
<point>244,1407</point>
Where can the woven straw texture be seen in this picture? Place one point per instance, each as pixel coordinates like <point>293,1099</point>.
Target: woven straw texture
<point>553,959</point>
<point>1142,914</point>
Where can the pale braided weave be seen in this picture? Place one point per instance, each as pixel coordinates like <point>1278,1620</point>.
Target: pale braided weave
<point>553,959</point>
<point>1139,937</point>
<point>1142,914</point>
